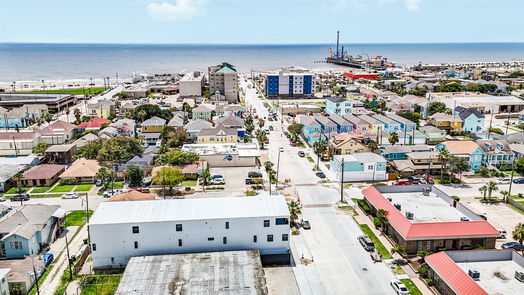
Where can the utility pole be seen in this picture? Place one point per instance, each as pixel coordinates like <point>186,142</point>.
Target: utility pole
<point>342,181</point>
<point>278,165</point>
<point>511,180</point>
<point>87,219</point>
<point>69,259</point>
<point>36,276</point>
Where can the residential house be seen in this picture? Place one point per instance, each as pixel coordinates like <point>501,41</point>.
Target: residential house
<point>21,273</point>
<point>338,105</point>
<point>57,132</point>
<point>18,143</point>
<point>125,127</point>
<point>496,152</point>
<point>202,112</point>
<point>60,154</point>
<point>374,125</point>
<point>89,137</point>
<point>359,126</point>
<point>193,170</point>
<point>399,152</point>
<point>193,127</point>
<point>347,144</point>
<point>311,127</point>
<point>81,171</point>
<point>235,110</point>
<point>359,167</point>
<point>28,229</point>
<point>400,108</point>
<point>21,116</point>
<point>29,161</point>
<point>434,134</point>
<point>6,174</point>
<point>467,149</point>
<point>472,120</point>
<point>418,163</point>
<point>176,122</point>
<point>327,127</point>
<point>517,149</point>
<point>404,138</point>
<point>108,132</point>
<point>450,123</point>
<point>231,122</point>
<point>95,123</point>
<point>144,162</point>
<point>219,134</point>
<point>405,124</point>
<point>131,195</point>
<point>151,130</point>
<point>103,109</point>
<point>342,124</point>
<point>42,175</point>
<point>390,125</point>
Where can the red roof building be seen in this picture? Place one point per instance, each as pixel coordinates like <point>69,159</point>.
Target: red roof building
<point>95,123</point>
<point>357,76</point>
<point>42,175</point>
<point>429,222</point>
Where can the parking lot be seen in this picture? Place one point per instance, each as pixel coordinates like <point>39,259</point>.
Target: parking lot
<point>235,178</point>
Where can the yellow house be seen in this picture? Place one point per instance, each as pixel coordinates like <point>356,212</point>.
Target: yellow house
<point>347,144</point>
<point>374,125</point>
<point>450,123</point>
<point>103,109</point>
<point>219,134</point>
<point>151,130</point>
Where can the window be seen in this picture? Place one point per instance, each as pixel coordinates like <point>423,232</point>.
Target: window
<point>179,227</point>
<point>227,224</point>
<point>16,245</point>
<point>224,240</point>
<point>285,237</point>
<point>210,239</point>
<point>93,246</point>
<point>370,167</point>
<point>179,242</point>
<point>254,239</point>
<point>270,238</point>
<point>136,230</point>
<point>266,223</point>
<point>279,221</point>
<point>136,245</point>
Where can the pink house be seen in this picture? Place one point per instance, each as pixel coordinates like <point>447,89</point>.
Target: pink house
<point>359,126</point>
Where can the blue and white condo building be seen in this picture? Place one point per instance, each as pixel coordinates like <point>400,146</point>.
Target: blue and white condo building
<point>290,82</point>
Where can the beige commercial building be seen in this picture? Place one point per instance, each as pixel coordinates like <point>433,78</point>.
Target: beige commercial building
<point>224,79</point>
<point>191,84</point>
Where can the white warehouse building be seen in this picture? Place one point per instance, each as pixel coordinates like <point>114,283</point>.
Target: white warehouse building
<point>121,230</point>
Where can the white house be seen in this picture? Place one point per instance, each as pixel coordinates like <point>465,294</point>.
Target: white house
<point>121,230</point>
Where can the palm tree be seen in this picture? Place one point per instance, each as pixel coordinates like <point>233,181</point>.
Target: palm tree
<point>103,174</point>
<point>205,176</point>
<point>382,216</point>
<point>268,165</point>
<point>373,146</point>
<point>492,187</point>
<point>518,233</point>
<point>261,137</point>
<point>142,115</point>
<point>67,112</point>
<point>459,165</point>
<point>48,118</point>
<point>320,148</point>
<point>294,210</point>
<point>398,249</point>
<point>505,194</point>
<point>443,157</point>
<point>78,115</point>
<point>18,177</point>
<point>393,138</point>
<point>483,189</point>
<point>261,123</point>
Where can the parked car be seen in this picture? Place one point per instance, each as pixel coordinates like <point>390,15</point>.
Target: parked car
<point>216,181</point>
<point>48,258</point>
<point>518,180</point>
<point>294,143</point>
<point>399,287</point>
<point>249,181</point>
<point>217,176</point>
<point>512,245</point>
<point>143,189</point>
<point>306,224</point>
<point>254,174</point>
<point>320,174</point>
<point>402,182</point>
<point>267,131</point>
<point>503,180</point>
<point>271,128</point>
<point>70,196</point>
<point>414,179</point>
<point>502,232</point>
<point>366,242</point>
<point>109,193</point>
<point>20,197</point>
<point>147,180</point>
<point>99,182</point>
<point>2,198</point>
<point>301,154</point>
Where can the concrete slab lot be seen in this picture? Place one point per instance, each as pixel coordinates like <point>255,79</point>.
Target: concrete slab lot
<point>341,265</point>
<point>235,178</point>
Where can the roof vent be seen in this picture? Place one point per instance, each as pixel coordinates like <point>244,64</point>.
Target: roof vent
<point>426,191</point>
<point>474,274</point>
<point>398,206</point>
<point>464,219</point>
<point>519,275</point>
<point>390,199</point>
<point>409,215</point>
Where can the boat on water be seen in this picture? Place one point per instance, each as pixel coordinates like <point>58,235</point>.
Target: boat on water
<point>341,57</point>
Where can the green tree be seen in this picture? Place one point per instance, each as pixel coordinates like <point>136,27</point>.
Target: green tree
<point>134,175</point>
<point>18,177</point>
<point>459,165</point>
<point>40,148</point>
<point>48,117</point>
<point>436,107</point>
<point>373,146</point>
<point>268,165</point>
<point>168,177</point>
<point>518,233</point>
<point>119,149</point>
<point>505,194</point>
<point>382,215</point>
<point>78,115</point>
<point>443,157</point>
<point>146,111</point>
<point>295,209</point>
<point>393,138</point>
<point>412,116</point>
<point>398,249</point>
<point>175,137</point>
<point>204,177</point>
<point>519,165</point>
<point>483,189</point>
<point>320,147</point>
<point>103,174</point>
<point>261,123</point>
<point>484,172</point>
<point>248,123</point>
<point>295,130</point>
<point>176,158</point>
<point>261,137</point>
<point>90,150</point>
<point>491,187</point>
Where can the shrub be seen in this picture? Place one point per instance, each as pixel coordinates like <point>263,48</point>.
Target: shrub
<point>484,172</point>
<point>376,221</point>
<point>496,130</point>
<point>441,249</point>
<point>364,206</point>
<point>422,271</point>
<point>379,184</point>
<point>251,193</point>
<point>429,282</point>
<point>457,198</point>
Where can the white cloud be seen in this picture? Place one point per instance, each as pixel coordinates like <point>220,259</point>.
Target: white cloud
<point>180,10</point>
<point>412,4</point>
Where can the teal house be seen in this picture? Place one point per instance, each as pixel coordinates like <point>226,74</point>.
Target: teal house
<point>359,167</point>
<point>464,148</point>
<point>472,120</point>
<point>311,130</point>
<point>28,229</point>
<point>338,105</point>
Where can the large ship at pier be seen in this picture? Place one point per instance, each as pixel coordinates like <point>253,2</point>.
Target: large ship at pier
<point>341,57</point>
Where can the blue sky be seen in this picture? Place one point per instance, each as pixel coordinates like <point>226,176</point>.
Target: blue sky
<point>261,21</point>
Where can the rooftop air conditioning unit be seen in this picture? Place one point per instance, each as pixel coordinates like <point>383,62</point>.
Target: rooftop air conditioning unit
<point>409,215</point>
<point>398,206</point>
<point>474,274</point>
<point>426,191</point>
<point>390,199</point>
<point>464,219</point>
<point>519,275</point>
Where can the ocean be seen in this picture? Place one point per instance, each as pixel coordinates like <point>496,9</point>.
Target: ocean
<point>36,61</point>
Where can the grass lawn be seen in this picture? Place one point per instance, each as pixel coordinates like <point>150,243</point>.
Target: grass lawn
<point>378,244</point>
<point>76,91</point>
<point>515,197</point>
<point>40,189</point>
<point>100,284</point>
<point>310,159</point>
<point>515,208</point>
<point>118,185</point>
<point>189,183</point>
<point>413,290</point>
<point>77,218</point>
<point>46,196</point>
<point>62,188</point>
<point>13,190</point>
<point>522,202</point>
<point>83,187</point>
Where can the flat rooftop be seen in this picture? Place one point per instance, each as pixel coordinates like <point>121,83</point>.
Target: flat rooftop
<point>240,149</point>
<point>426,208</point>
<point>496,277</point>
<point>229,272</point>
